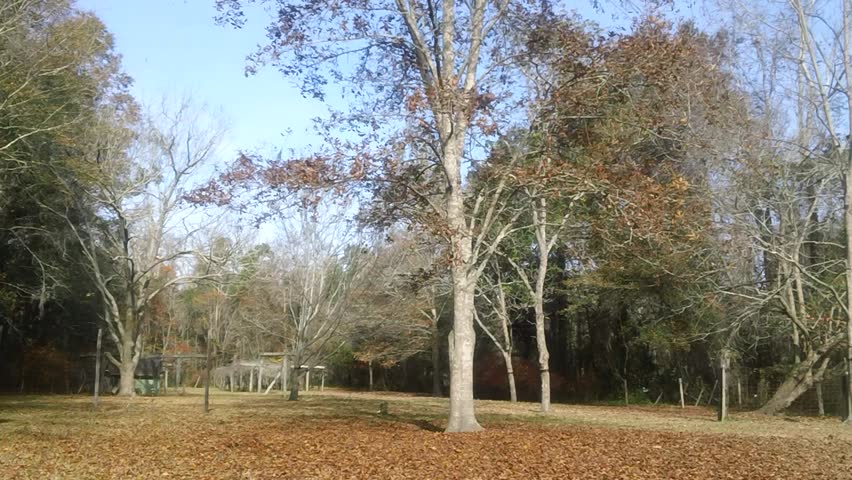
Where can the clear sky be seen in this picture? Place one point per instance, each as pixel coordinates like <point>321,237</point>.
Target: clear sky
<point>174,48</point>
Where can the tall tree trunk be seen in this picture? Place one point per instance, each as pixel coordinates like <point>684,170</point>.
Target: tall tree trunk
<point>510,373</point>
<point>847,209</point>
<point>462,417</point>
<point>370,369</point>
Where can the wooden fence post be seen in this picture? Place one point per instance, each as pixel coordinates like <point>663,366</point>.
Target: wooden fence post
<point>723,399</point>
<point>207,376</point>
<point>97,369</point>
<point>177,376</point>
<point>680,387</point>
<point>739,392</point>
<point>712,392</point>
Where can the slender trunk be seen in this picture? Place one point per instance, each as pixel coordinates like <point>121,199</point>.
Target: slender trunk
<point>541,342</point>
<point>97,390</point>
<point>820,402</point>
<point>436,358</point>
<point>540,221</point>
<point>370,369</point>
<point>510,373</point>
<point>543,354</point>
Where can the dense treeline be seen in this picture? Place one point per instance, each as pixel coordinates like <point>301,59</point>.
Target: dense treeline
<point>546,208</point>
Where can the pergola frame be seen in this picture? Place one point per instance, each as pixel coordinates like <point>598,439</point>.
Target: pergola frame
<point>285,371</point>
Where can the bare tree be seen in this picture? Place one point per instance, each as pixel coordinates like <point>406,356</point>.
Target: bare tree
<point>137,179</point>
<point>305,288</point>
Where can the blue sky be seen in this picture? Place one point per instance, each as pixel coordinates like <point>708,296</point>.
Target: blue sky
<point>174,48</point>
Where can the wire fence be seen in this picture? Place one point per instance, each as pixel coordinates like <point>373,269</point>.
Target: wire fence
<point>751,388</point>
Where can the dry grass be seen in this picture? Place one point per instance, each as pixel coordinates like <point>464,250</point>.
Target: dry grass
<point>341,435</point>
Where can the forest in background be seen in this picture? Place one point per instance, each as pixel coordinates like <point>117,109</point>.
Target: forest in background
<point>518,203</point>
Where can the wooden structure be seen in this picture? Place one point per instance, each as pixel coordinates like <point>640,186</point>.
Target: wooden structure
<point>246,375</point>
<point>176,361</point>
<point>264,374</point>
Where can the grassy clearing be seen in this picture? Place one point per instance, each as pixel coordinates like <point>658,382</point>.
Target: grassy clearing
<point>342,435</point>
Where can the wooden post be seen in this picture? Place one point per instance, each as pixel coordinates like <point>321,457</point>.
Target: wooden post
<point>680,387</point>
<point>97,369</point>
<point>739,392</point>
<point>166,380</point>
<point>259,378</point>
<point>626,393</point>
<point>272,384</point>
<point>700,394</point>
<point>177,376</point>
<point>308,380</point>
<point>322,380</point>
<point>712,392</point>
<point>723,398</point>
<point>207,376</point>
<point>251,380</point>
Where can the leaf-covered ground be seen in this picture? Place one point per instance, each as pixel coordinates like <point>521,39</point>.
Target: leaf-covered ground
<point>340,435</point>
